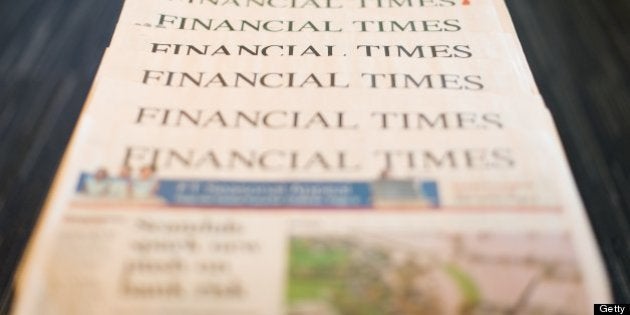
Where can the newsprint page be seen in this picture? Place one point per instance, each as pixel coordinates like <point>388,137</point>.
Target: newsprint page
<point>313,157</point>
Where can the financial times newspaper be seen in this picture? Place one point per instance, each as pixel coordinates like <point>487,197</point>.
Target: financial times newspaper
<point>313,157</point>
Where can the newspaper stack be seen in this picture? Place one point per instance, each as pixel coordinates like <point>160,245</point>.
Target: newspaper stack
<point>313,157</point>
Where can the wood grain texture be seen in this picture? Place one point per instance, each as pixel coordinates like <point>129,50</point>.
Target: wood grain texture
<point>579,52</point>
<point>49,53</point>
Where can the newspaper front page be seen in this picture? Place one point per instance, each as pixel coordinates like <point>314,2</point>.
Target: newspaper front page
<point>313,157</point>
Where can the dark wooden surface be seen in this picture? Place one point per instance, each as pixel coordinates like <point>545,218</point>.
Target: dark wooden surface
<point>579,52</point>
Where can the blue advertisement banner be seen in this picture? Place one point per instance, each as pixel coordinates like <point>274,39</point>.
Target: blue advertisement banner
<point>382,193</point>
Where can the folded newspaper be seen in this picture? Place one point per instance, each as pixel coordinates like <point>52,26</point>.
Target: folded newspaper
<point>313,157</point>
